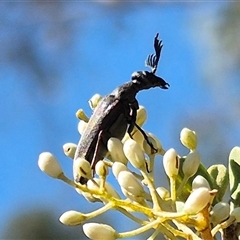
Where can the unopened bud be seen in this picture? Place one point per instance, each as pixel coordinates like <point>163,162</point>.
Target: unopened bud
<point>236,214</point>
<point>141,116</point>
<point>137,136</point>
<point>101,169</point>
<point>163,192</point>
<point>171,163</point>
<point>188,138</point>
<point>220,212</point>
<point>191,164</point>
<point>117,167</point>
<point>82,126</point>
<point>200,181</point>
<point>49,164</point>
<point>197,200</point>
<point>130,184</point>
<point>157,142</point>
<point>69,149</point>
<point>148,149</point>
<point>81,168</point>
<point>80,114</point>
<point>72,218</point>
<point>97,231</point>
<point>115,148</point>
<point>134,154</point>
<point>95,99</point>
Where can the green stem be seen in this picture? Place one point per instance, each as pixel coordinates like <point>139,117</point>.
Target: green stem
<point>109,198</point>
<point>132,217</point>
<point>173,189</point>
<point>139,230</point>
<point>184,181</point>
<point>151,165</point>
<point>223,225</point>
<point>186,230</point>
<point>99,211</point>
<point>176,232</point>
<point>153,191</point>
<point>169,215</point>
<point>164,231</point>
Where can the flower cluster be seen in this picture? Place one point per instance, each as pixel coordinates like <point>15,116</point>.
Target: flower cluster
<point>191,208</point>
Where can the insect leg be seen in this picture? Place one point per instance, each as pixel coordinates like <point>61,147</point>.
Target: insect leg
<point>132,120</point>
<point>97,147</point>
<point>154,150</point>
<point>132,115</point>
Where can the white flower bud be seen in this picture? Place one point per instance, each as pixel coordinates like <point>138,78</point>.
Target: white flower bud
<point>137,136</point>
<point>82,126</point>
<point>191,164</point>
<point>97,231</point>
<point>163,192</point>
<point>95,99</point>
<point>236,214</point>
<point>220,212</point>
<point>200,181</point>
<point>157,142</point>
<point>108,187</point>
<point>139,198</point>
<point>101,169</point>
<point>197,200</point>
<point>49,164</point>
<point>81,168</point>
<point>141,116</point>
<point>115,148</point>
<point>171,163</point>
<point>134,154</point>
<point>69,149</point>
<point>130,184</point>
<point>72,218</point>
<point>188,138</point>
<point>147,148</point>
<point>117,167</point>
<point>80,114</point>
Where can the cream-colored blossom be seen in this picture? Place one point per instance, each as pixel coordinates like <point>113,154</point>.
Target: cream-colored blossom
<point>81,168</point>
<point>171,163</point>
<point>49,164</point>
<point>141,116</point>
<point>220,212</point>
<point>188,138</point>
<point>197,200</point>
<point>69,149</point>
<point>95,99</point>
<point>134,154</point>
<point>115,148</point>
<point>72,218</point>
<point>97,231</point>
<point>200,181</point>
<point>191,163</point>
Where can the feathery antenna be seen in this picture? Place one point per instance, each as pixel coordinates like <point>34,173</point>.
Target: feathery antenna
<point>152,60</point>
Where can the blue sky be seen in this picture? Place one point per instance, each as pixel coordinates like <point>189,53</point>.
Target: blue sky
<point>104,47</point>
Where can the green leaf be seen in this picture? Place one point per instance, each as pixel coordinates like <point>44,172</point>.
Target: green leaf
<point>234,175</point>
<point>220,175</point>
<point>188,186</point>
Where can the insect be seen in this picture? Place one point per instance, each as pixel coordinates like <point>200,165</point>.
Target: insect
<point>116,113</point>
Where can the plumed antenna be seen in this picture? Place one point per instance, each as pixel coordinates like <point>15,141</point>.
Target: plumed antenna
<point>152,60</point>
